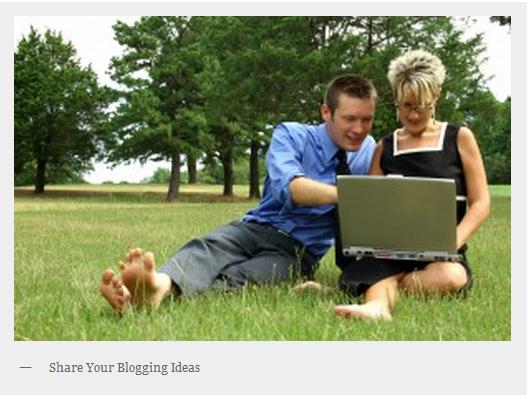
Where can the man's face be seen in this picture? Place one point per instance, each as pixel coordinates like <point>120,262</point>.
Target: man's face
<point>351,122</point>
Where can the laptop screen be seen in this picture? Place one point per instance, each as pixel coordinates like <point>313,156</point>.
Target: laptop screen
<point>399,213</point>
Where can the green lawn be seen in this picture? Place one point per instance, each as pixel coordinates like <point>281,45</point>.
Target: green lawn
<point>64,241</point>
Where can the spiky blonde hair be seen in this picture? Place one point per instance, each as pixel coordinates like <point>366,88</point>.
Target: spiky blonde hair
<point>416,72</point>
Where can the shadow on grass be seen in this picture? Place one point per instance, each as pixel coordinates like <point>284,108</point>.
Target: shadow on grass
<point>128,196</point>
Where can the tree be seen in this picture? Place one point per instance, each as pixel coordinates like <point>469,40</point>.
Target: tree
<point>490,120</point>
<point>258,71</point>
<point>501,20</point>
<point>160,176</point>
<point>59,110</point>
<point>157,116</point>
<point>218,85</point>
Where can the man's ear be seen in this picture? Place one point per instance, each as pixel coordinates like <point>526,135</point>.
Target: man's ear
<point>325,112</point>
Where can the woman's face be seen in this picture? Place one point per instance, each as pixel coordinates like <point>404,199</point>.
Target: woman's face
<point>415,112</point>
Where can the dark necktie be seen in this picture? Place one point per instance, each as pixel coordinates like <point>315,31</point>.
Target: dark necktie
<point>341,169</point>
<point>342,166</point>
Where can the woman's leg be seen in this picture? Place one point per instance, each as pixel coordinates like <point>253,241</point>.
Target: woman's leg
<point>380,299</point>
<point>437,278</point>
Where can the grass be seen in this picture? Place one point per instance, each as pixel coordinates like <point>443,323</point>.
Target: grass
<point>65,239</point>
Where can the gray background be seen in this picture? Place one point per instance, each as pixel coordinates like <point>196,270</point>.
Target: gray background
<point>276,367</point>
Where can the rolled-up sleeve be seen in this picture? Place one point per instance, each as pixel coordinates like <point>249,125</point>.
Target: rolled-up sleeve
<point>284,162</point>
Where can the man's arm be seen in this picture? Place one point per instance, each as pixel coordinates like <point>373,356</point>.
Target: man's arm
<point>308,192</point>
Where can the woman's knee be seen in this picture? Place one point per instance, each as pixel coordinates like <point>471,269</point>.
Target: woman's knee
<point>450,277</point>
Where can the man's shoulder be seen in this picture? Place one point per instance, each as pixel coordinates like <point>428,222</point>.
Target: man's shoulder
<point>368,145</point>
<point>299,131</point>
<point>369,140</point>
<point>297,127</point>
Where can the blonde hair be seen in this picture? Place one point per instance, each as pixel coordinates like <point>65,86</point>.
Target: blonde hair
<point>417,72</point>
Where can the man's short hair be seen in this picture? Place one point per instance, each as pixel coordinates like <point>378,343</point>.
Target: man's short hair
<point>350,85</point>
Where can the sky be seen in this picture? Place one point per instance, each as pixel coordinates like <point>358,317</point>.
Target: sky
<point>93,39</point>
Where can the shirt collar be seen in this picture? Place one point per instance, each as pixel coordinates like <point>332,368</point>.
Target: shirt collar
<point>329,147</point>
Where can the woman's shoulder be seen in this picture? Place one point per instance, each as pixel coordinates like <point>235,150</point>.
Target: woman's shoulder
<point>465,135</point>
<point>459,131</point>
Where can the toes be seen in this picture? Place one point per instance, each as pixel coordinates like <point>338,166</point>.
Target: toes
<point>345,311</point>
<point>134,253</point>
<point>117,283</point>
<point>119,289</point>
<point>108,275</point>
<point>148,261</point>
<point>363,312</point>
<point>122,266</point>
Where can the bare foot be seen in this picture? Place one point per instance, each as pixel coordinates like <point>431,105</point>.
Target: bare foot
<point>368,311</point>
<point>146,286</point>
<point>140,285</point>
<point>115,292</point>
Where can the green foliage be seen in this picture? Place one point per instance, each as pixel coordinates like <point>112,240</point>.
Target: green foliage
<point>161,176</point>
<point>501,20</point>
<point>59,111</point>
<point>490,120</point>
<point>217,85</point>
<point>212,173</point>
<point>498,168</point>
<point>156,116</point>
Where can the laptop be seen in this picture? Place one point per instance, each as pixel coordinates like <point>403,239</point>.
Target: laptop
<point>396,217</point>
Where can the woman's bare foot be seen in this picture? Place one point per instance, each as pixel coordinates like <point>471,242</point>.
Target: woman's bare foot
<point>115,292</point>
<point>140,285</point>
<point>368,311</point>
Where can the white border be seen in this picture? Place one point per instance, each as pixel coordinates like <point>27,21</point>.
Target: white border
<point>439,144</point>
<point>275,367</point>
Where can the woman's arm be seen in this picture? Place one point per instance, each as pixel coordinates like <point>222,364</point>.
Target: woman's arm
<point>476,184</point>
<point>375,167</point>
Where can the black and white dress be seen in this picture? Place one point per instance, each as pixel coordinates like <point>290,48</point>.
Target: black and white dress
<point>442,161</point>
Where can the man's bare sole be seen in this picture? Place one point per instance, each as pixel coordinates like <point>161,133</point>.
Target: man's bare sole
<point>116,294</point>
<point>140,285</point>
<point>367,311</point>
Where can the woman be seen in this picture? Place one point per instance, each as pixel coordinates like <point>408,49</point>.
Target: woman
<point>422,147</point>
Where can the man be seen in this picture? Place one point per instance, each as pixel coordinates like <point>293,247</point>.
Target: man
<point>293,225</point>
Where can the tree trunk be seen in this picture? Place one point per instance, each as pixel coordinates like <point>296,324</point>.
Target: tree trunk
<point>370,34</point>
<point>254,176</point>
<point>191,169</point>
<point>40,180</point>
<point>174,185</point>
<point>227,163</point>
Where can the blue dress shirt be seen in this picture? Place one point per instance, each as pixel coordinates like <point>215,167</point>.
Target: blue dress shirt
<point>304,150</point>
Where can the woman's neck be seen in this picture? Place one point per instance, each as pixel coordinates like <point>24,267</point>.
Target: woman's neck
<point>432,127</point>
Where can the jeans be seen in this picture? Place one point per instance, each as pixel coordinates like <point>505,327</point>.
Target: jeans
<point>237,254</point>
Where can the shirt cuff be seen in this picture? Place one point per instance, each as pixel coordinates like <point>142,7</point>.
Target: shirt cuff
<point>289,204</point>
